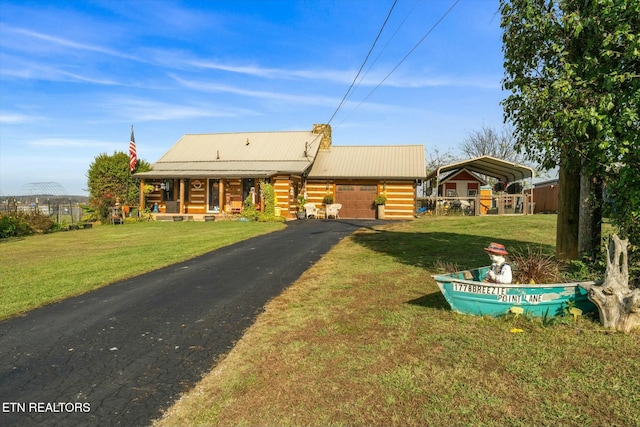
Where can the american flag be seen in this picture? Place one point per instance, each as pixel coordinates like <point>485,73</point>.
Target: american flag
<point>133,158</point>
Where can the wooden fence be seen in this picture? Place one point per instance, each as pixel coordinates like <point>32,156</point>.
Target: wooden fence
<point>496,204</point>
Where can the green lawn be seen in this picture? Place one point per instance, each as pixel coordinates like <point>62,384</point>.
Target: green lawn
<point>42,269</point>
<point>364,338</point>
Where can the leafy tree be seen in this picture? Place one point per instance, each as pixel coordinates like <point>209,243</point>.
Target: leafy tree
<point>109,177</point>
<point>573,71</point>
<point>250,211</point>
<point>269,197</point>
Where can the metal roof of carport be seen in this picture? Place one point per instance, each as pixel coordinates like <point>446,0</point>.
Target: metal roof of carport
<point>490,166</point>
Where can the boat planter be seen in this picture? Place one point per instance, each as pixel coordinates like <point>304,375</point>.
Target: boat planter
<point>466,293</point>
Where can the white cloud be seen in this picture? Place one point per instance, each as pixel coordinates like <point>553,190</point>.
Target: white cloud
<point>15,118</point>
<point>139,110</point>
<point>425,81</point>
<point>413,79</point>
<point>62,42</point>
<point>274,96</point>
<point>13,67</point>
<point>336,76</point>
<point>36,72</point>
<point>74,143</point>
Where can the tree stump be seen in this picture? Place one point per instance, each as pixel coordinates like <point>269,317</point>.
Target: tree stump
<point>618,305</point>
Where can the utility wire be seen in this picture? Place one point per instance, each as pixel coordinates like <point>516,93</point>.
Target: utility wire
<point>363,64</point>
<point>382,51</point>
<point>388,42</point>
<point>410,52</point>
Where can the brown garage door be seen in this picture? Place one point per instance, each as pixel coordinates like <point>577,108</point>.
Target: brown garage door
<point>356,200</point>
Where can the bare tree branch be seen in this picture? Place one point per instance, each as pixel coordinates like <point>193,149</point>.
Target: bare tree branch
<point>489,142</point>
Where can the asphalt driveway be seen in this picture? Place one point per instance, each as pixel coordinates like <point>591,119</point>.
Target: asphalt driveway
<point>122,354</point>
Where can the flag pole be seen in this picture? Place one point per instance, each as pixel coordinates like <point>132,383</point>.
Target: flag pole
<point>133,160</point>
<point>133,155</point>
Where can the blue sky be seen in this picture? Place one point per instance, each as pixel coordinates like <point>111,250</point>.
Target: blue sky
<point>75,75</point>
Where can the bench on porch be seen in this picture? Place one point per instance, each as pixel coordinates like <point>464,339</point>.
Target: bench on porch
<point>236,206</point>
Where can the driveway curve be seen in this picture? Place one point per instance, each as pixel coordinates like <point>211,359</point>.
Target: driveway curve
<point>122,354</point>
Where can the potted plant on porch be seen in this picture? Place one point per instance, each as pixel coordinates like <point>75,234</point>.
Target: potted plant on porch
<point>326,201</point>
<point>301,212</point>
<point>380,201</point>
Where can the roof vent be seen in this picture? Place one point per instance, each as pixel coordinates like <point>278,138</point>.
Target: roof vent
<point>218,155</point>
<point>247,143</point>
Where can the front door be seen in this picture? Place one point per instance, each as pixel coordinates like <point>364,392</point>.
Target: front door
<point>248,187</point>
<point>213,195</point>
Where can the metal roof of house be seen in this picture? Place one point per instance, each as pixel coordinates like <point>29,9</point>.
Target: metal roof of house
<point>376,162</point>
<point>490,166</point>
<point>246,154</point>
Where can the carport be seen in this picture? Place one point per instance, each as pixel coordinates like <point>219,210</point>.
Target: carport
<point>499,202</point>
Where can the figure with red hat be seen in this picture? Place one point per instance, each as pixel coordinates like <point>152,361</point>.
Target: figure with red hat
<point>500,271</point>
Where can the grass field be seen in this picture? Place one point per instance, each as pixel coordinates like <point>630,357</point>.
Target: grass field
<point>42,269</point>
<point>364,338</point>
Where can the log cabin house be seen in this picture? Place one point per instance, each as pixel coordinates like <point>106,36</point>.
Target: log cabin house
<point>212,174</point>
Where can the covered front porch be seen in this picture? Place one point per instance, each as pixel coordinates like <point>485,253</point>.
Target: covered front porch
<point>204,198</point>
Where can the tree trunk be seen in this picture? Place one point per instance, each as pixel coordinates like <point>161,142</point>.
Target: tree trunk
<point>590,216</point>
<point>618,305</point>
<point>568,211</point>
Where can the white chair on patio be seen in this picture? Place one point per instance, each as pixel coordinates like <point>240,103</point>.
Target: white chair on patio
<point>334,210</point>
<point>310,210</point>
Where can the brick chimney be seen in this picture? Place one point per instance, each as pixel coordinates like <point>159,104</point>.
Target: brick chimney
<point>325,131</point>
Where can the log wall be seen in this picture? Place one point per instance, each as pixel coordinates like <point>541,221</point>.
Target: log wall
<point>401,200</point>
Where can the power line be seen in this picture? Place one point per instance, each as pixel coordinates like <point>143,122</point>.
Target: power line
<point>409,53</point>
<point>389,41</point>
<point>363,64</point>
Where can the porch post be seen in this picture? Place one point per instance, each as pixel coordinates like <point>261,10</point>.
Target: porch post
<point>181,196</point>
<point>533,208</point>
<point>437,191</point>
<point>141,197</point>
<point>221,200</point>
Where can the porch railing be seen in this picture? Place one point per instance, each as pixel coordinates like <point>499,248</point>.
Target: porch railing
<point>495,204</point>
